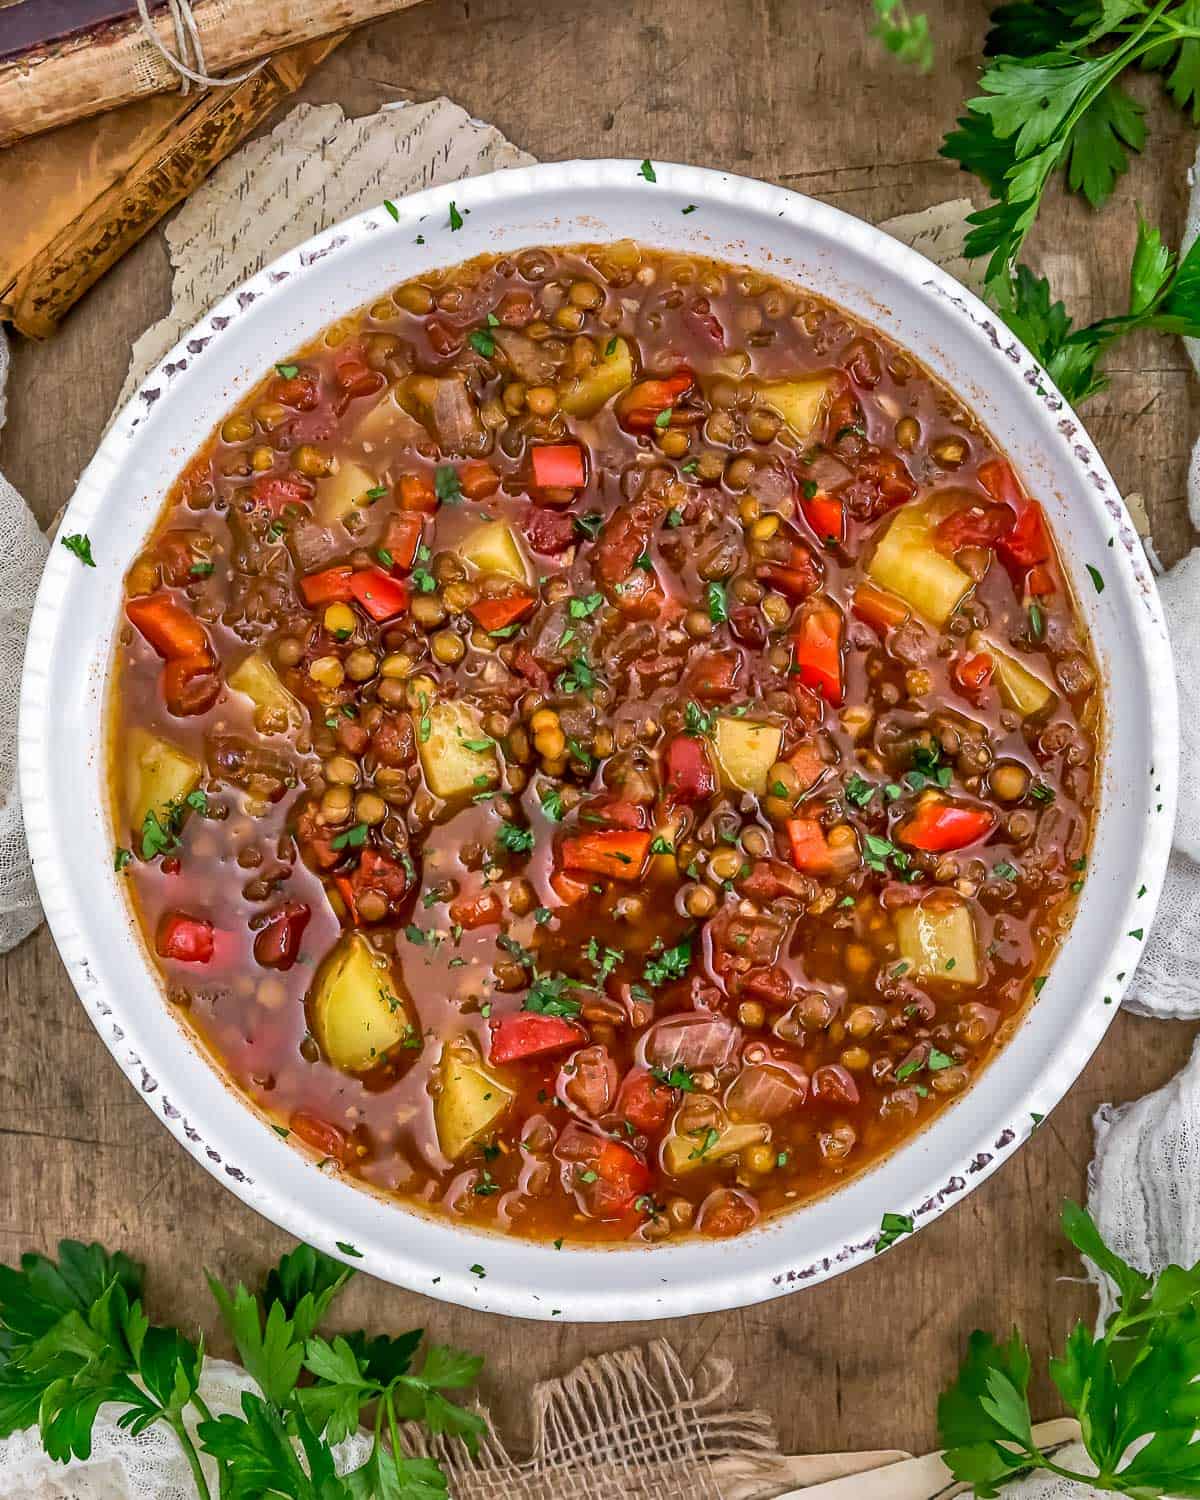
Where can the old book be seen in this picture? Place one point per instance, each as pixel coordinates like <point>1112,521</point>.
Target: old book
<point>75,200</point>
<point>63,60</point>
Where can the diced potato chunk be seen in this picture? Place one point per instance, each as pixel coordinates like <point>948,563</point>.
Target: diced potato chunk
<point>492,548</point>
<point>799,402</point>
<point>684,1152</point>
<point>451,757</point>
<point>357,1013</point>
<point>937,938</point>
<point>907,562</point>
<point>587,393</point>
<point>746,751</point>
<point>1020,689</point>
<point>470,1099</point>
<point>388,422</point>
<point>338,493</point>
<point>157,773</point>
<point>274,706</point>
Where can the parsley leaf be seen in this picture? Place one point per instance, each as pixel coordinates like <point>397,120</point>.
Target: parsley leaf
<point>80,544</point>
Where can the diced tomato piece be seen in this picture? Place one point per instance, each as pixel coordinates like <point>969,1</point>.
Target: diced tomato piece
<point>973,673</point>
<point>173,631</point>
<point>528,1035</point>
<point>642,404</point>
<point>726,1213</point>
<point>382,875</point>
<point>797,578</point>
<point>382,596</point>
<point>481,910</point>
<point>478,479</point>
<point>613,812</point>
<point>330,586</point>
<point>355,377</point>
<point>644,1101</point>
<point>417,493</point>
<point>833,1084</point>
<point>972,526</point>
<point>938,825</point>
<point>402,540</point>
<point>320,1135</point>
<point>549,531</point>
<point>715,675</point>
<point>276,492</point>
<point>301,391</point>
<point>879,609</point>
<point>1039,582</point>
<point>1027,543</point>
<point>188,940</point>
<point>277,942</point>
<point>998,479</point>
<point>818,651</point>
<point>567,888</point>
<point>690,776</point>
<point>618,853</point>
<point>887,475</point>
<point>810,847</point>
<point>191,684</point>
<point>605,1176</point>
<point>496,613</point>
<point>558,466</point>
<point>826,515</point>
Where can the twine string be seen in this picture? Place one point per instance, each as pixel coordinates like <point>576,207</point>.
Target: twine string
<point>188,58</point>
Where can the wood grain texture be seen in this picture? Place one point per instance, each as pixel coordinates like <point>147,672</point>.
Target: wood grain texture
<point>786,91</point>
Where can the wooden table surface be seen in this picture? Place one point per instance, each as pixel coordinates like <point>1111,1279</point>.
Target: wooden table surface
<point>793,92</point>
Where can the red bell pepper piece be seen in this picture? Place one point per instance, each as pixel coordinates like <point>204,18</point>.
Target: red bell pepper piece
<point>188,940</point>
<point>642,404</point>
<point>690,777</point>
<point>382,596</point>
<point>879,609</point>
<point>1039,581</point>
<point>826,515</point>
<point>480,910</point>
<point>402,540</point>
<point>938,825</point>
<point>613,812</point>
<point>355,377</point>
<point>478,479</point>
<point>567,888</point>
<point>973,673</point>
<point>496,613</point>
<point>301,391</point>
<point>331,586</point>
<point>417,493</point>
<point>797,578</point>
<point>191,684</point>
<point>818,652</point>
<point>972,526</point>
<point>275,492</point>
<point>277,942</point>
<point>618,853</point>
<point>810,847</point>
<point>1026,543</point>
<point>558,466</point>
<point>528,1035</point>
<point>605,1175</point>
<point>173,631</point>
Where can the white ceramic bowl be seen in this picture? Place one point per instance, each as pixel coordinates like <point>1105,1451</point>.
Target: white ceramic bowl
<point>118,500</point>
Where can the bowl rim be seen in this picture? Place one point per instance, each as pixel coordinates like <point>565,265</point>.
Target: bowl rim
<point>724,1283</point>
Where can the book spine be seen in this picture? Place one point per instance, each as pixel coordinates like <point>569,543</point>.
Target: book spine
<point>54,280</point>
<point>87,74</point>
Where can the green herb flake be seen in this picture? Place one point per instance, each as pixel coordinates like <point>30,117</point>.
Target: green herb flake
<point>647,171</point>
<point>351,838</point>
<point>718,603</point>
<point>891,1227</point>
<point>79,543</point>
<point>446,484</point>
<point>456,219</point>
<point>1097,578</point>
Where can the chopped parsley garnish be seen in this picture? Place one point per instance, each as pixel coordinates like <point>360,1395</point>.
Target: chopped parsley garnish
<point>589,525</point>
<point>647,171</point>
<point>663,420</point>
<point>660,845</point>
<point>891,1227</point>
<point>121,857</point>
<point>384,556</point>
<point>697,721</point>
<point>611,347</point>
<point>879,851</point>
<point>351,838</point>
<point>446,484</point>
<point>1037,622</point>
<point>671,963</point>
<point>1004,871</point>
<point>80,544</point>
<point>518,840</point>
<point>675,1078</point>
<point>547,996</point>
<point>1097,578</point>
<point>392,209</point>
<point>456,219</point>
<point>858,790</point>
<point>578,677</point>
<point>424,580</point>
<point>201,569</point>
<point>552,803</point>
<point>718,603</point>
<point>580,609</point>
<point>289,372</point>
<point>482,342</point>
<point>711,1137</point>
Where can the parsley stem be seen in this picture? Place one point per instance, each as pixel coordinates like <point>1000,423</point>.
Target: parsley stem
<point>189,1452</point>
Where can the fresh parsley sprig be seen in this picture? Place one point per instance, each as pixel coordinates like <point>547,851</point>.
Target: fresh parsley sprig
<point>74,1336</point>
<point>1132,1387</point>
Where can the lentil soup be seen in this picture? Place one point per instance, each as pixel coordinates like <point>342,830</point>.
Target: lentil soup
<point>602,745</point>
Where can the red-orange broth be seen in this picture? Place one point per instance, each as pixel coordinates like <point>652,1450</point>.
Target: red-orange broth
<point>603,746</point>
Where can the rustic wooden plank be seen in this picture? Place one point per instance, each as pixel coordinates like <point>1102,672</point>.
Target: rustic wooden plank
<point>792,94</point>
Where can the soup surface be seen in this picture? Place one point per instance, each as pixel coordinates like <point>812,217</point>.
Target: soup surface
<point>603,747</point>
